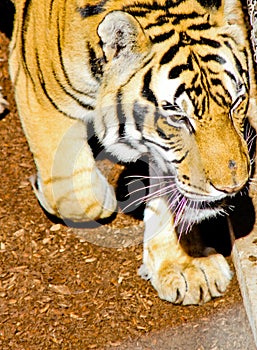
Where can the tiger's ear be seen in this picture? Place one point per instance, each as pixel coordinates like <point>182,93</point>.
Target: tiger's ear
<point>122,36</point>
<point>227,14</point>
<point>222,12</point>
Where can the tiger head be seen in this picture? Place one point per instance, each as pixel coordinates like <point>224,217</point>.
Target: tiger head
<point>180,93</point>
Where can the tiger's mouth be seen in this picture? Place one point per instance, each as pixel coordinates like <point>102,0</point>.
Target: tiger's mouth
<point>190,210</point>
<point>187,208</point>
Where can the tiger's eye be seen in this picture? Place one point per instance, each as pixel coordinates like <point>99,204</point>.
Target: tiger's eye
<point>167,106</point>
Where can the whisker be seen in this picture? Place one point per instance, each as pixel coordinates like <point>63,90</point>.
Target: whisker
<point>176,195</point>
<point>179,210</point>
<point>172,190</point>
<point>181,230</point>
<point>144,199</point>
<point>150,177</point>
<point>136,180</point>
<point>136,202</point>
<point>163,191</point>
<point>172,199</point>
<point>184,227</point>
<point>145,187</point>
<point>252,182</point>
<point>250,143</point>
<point>252,179</point>
<point>249,131</point>
<point>252,160</point>
<point>191,219</point>
<point>250,136</point>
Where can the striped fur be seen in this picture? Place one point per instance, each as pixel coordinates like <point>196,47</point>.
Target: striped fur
<point>172,80</point>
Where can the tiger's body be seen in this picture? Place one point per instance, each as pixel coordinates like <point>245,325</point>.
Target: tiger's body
<point>172,80</point>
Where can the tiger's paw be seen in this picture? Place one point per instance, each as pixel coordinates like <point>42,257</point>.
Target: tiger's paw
<point>192,283</point>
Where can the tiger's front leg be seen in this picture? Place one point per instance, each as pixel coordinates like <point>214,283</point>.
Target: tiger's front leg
<point>176,276</point>
<point>69,184</point>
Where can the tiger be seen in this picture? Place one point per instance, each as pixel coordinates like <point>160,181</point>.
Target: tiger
<point>171,80</point>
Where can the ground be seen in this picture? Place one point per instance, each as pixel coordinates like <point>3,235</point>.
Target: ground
<point>62,288</point>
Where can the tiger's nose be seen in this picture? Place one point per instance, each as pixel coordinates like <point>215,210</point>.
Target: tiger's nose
<point>235,183</point>
<point>232,164</point>
<point>231,189</point>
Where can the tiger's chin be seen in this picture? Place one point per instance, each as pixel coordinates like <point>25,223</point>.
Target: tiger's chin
<point>205,210</point>
<point>188,211</point>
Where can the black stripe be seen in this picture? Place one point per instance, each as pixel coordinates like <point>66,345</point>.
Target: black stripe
<point>65,74</point>
<point>67,79</point>
<point>178,149</point>
<point>178,69</point>
<point>120,114</point>
<point>159,22</point>
<point>186,40</point>
<point>210,3</point>
<point>42,84</point>
<point>226,36</point>
<point>92,10</point>
<point>122,122</point>
<point>247,69</point>
<point>154,5</point>
<point>157,144</point>
<point>238,65</point>
<point>216,82</point>
<point>147,92</point>
<point>51,8</point>
<point>237,62</point>
<point>209,42</point>
<point>162,37</point>
<point>217,97</point>
<point>170,54</point>
<point>231,76</point>
<point>202,26</point>
<point>139,12</point>
<point>181,159</point>
<point>220,99</point>
<point>213,57</point>
<point>66,92</point>
<point>195,78</point>
<point>180,90</point>
<point>204,105</point>
<point>139,113</point>
<point>95,63</point>
<point>24,26</point>
<point>228,45</point>
<point>161,133</point>
<point>198,90</point>
<point>185,16</point>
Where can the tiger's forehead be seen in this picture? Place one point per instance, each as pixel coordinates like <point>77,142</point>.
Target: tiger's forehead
<point>182,16</point>
<point>197,101</point>
<point>196,76</point>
